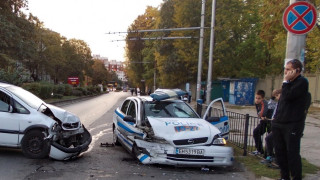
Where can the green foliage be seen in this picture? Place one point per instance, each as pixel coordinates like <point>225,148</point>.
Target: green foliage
<point>59,89</point>
<point>67,90</point>
<point>32,87</point>
<point>16,76</point>
<point>100,74</point>
<point>250,41</point>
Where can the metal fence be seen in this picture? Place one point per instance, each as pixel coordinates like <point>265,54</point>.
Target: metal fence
<point>241,128</point>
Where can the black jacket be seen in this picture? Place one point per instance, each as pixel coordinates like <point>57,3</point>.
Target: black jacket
<point>293,102</point>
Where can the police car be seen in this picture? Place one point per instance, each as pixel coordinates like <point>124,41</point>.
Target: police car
<point>162,129</point>
<point>39,129</point>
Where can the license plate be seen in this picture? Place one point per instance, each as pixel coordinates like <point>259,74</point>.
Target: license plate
<point>191,151</point>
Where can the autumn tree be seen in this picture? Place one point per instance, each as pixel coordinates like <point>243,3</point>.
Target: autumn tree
<point>100,74</point>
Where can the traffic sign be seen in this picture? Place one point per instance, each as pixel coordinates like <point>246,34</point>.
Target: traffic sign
<point>299,17</point>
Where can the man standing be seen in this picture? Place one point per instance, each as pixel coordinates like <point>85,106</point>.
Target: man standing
<point>289,120</point>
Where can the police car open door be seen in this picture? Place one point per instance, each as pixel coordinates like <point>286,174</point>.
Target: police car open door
<point>216,114</point>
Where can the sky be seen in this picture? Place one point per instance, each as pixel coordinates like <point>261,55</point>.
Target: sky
<point>91,20</point>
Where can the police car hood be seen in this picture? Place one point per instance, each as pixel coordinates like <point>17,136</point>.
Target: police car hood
<point>176,130</point>
<point>63,115</point>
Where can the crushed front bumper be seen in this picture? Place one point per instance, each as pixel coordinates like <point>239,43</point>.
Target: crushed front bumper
<point>157,153</point>
<point>60,152</point>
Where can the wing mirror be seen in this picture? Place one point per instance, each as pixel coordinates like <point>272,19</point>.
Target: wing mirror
<point>10,109</point>
<point>129,119</point>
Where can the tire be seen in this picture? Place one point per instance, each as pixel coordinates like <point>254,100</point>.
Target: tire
<point>115,137</point>
<point>34,146</point>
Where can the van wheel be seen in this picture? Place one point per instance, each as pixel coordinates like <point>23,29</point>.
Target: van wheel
<point>34,145</point>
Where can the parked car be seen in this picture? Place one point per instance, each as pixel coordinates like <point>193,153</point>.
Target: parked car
<point>38,128</point>
<point>162,129</point>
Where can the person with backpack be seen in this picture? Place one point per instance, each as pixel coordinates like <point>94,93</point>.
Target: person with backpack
<point>289,120</point>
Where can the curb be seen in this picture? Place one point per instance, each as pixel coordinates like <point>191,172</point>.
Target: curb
<point>75,100</point>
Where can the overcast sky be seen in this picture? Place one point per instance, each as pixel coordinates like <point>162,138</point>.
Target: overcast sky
<point>90,20</point>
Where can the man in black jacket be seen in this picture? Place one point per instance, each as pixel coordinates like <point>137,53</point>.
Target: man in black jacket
<point>288,124</point>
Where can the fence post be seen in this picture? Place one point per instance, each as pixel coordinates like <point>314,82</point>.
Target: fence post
<point>246,128</point>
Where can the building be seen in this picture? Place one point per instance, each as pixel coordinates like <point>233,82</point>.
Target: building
<point>113,66</point>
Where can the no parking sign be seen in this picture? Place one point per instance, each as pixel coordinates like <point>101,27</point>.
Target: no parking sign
<point>300,17</point>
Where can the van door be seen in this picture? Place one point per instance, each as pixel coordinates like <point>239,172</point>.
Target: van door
<point>216,114</point>
<point>9,123</point>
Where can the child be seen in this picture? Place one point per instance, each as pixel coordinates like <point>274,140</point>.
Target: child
<point>269,139</point>
<point>261,106</point>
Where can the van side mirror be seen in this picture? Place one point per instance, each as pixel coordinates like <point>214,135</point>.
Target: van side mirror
<point>129,119</point>
<point>10,109</point>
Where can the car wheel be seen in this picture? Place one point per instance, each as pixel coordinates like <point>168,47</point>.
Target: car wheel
<point>115,137</point>
<point>34,145</point>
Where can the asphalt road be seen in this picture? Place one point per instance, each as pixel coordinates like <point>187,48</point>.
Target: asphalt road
<point>103,162</point>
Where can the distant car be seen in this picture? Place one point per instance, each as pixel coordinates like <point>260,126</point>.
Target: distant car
<point>161,129</point>
<point>39,129</point>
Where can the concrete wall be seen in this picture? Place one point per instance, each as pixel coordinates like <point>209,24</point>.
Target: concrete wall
<point>267,85</point>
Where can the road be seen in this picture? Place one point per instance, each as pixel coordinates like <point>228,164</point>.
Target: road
<point>102,162</point>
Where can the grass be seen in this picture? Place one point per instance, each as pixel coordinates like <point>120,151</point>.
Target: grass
<point>252,163</point>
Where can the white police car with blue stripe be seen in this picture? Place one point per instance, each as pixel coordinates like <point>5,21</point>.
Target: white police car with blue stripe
<point>162,129</point>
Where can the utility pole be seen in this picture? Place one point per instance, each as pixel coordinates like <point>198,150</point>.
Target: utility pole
<point>208,95</point>
<point>200,50</point>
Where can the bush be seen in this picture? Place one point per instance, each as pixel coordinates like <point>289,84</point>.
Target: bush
<point>45,91</point>
<point>84,91</point>
<point>59,89</point>
<point>57,96</point>
<point>76,92</point>
<point>67,90</point>
<point>32,87</point>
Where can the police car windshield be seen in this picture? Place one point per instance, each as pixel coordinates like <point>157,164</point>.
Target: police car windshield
<point>165,109</point>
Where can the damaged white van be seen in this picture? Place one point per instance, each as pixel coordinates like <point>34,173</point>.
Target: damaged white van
<point>39,129</point>
<point>161,129</point>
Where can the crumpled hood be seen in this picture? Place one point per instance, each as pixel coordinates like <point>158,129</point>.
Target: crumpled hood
<point>172,129</point>
<point>63,115</point>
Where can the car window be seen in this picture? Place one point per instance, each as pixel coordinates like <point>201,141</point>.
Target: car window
<point>169,109</point>
<point>4,102</point>
<point>26,96</point>
<point>125,106</point>
<point>18,108</point>
<point>132,110</point>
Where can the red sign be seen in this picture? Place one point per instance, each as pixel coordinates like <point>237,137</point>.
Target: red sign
<point>73,80</point>
<point>299,17</point>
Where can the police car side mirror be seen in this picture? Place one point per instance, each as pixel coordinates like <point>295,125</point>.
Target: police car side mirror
<point>213,119</point>
<point>129,119</point>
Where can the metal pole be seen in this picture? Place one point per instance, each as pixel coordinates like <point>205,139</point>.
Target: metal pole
<point>208,95</point>
<point>154,76</point>
<point>295,45</point>
<point>200,50</point>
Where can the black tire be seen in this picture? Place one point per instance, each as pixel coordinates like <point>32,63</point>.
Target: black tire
<point>34,146</point>
<point>115,137</point>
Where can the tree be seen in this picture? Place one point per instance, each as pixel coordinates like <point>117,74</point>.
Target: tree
<point>100,74</point>
<point>138,60</point>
